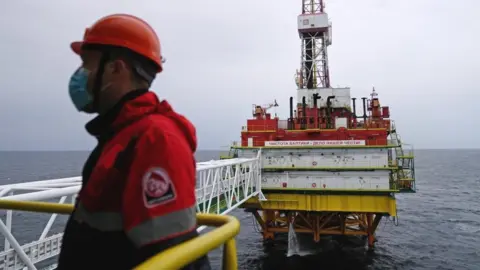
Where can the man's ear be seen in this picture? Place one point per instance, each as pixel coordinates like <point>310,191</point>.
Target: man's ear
<point>117,67</point>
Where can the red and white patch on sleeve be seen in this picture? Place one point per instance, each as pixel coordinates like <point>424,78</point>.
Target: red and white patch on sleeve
<point>158,188</point>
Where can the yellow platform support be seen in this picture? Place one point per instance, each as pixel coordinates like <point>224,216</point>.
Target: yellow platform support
<point>381,204</point>
<point>322,214</point>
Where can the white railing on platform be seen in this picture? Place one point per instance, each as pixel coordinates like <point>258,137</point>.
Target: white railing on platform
<point>222,185</point>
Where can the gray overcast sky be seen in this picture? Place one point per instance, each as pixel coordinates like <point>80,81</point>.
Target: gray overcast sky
<point>421,55</point>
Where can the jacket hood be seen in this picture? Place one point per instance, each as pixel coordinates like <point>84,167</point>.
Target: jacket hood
<point>136,105</point>
<point>181,121</point>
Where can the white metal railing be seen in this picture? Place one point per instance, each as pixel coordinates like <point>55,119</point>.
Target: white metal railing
<point>16,256</point>
<point>222,185</point>
<point>231,181</point>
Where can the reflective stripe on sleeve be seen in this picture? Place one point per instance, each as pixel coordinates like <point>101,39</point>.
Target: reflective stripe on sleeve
<point>162,227</point>
<point>103,221</point>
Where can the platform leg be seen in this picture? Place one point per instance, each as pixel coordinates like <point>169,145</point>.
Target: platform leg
<point>268,221</point>
<point>370,232</point>
<point>316,229</point>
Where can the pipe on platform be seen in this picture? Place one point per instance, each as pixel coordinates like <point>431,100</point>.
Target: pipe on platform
<point>290,120</point>
<point>329,117</point>
<point>354,112</point>
<point>354,107</point>
<point>317,111</point>
<point>304,112</point>
<point>364,111</point>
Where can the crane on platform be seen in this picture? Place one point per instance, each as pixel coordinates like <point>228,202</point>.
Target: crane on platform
<point>260,111</point>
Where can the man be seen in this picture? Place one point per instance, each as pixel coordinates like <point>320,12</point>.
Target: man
<point>138,192</point>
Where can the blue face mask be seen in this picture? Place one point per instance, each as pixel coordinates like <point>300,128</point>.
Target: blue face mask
<point>77,89</point>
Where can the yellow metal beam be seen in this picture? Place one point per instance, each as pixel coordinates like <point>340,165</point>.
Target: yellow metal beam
<point>175,257</point>
<point>383,204</point>
<point>40,207</point>
<point>187,252</point>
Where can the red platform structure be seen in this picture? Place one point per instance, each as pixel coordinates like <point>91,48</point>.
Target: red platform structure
<point>316,123</point>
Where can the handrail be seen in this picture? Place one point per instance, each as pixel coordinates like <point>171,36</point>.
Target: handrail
<point>177,257</point>
<point>174,257</point>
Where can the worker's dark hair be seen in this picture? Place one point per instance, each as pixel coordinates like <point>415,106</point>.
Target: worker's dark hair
<point>143,69</point>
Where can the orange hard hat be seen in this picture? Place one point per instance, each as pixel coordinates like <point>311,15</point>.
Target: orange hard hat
<point>125,31</point>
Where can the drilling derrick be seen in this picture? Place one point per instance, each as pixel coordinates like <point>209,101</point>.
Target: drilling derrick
<point>314,30</point>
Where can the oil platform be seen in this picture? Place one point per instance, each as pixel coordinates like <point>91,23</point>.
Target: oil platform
<point>327,169</point>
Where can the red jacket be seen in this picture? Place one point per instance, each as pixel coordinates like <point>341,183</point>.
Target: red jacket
<point>138,193</point>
